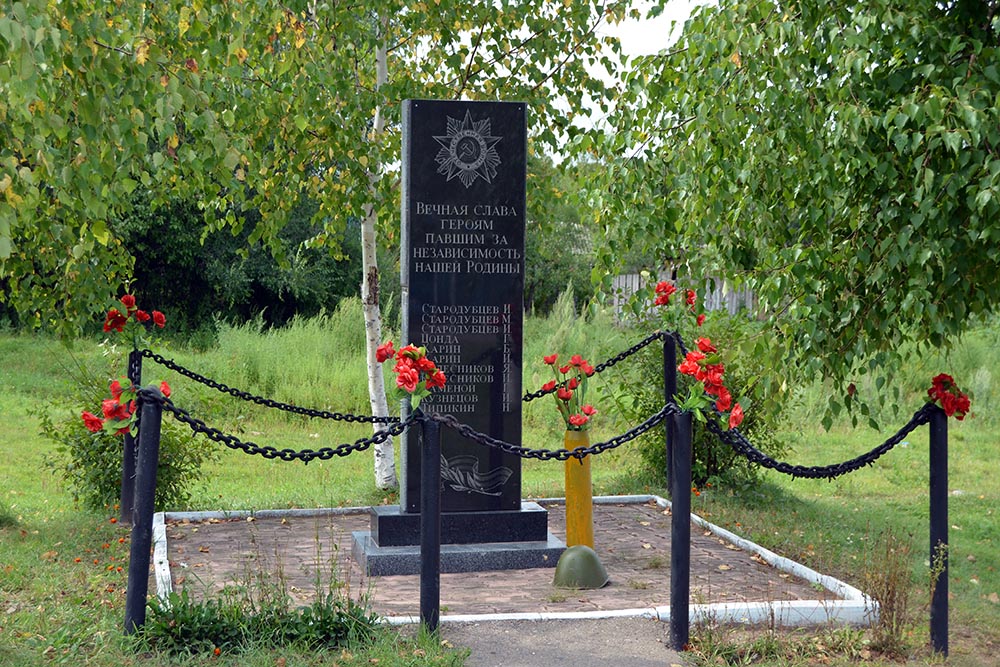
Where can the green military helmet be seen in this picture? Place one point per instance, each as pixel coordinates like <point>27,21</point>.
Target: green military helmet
<point>579,567</point>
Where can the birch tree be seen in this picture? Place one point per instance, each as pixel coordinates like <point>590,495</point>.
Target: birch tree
<point>250,104</point>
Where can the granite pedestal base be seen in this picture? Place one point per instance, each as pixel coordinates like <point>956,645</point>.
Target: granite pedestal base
<point>470,541</point>
<point>379,561</point>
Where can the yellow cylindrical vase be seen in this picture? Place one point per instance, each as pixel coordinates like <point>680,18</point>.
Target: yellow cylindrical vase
<point>579,493</point>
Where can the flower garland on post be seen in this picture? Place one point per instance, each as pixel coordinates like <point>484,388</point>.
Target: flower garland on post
<point>118,413</point>
<point>704,364</point>
<point>946,394</point>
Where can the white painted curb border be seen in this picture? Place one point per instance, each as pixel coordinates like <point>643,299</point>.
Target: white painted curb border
<point>854,607</point>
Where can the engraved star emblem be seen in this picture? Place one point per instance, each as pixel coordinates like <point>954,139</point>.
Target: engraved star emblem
<point>468,151</point>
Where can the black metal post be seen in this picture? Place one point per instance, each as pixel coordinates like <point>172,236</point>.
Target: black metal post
<point>142,520</point>
<point>430,525</point>
<point>134,372</point>
<point>669,395</point>
<point>939,529</point>
<point>680,532</point>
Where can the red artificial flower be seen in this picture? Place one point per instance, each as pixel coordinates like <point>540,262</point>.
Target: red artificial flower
<point>564,394</point>
<point>713,374</point>
<point>129,302</point>
<point>549,386</point>
<point>551,359</point>
<point>665,288</point>
<point>114,321</point>
<point>384,352</point>
<point>435,379</point>
<point>142,315</point>
<point>589,410</point>
<point>573,383</point>
<point>116,389</point>
<point>587,369</point>
<point>409,352</point>
<point>111,408</point>
<point>700,319</point>
<point>943,380</point>
<point>725,400</point>
<point>564,369</point>
<point>426,365</point>
<point>689,367</point>
<point>407,378</point>
<point>577,361</point>
<point>578,420</point>
<point>92,422</point>
<point>403,364</point>
<point>159,319</point>
<point>736,416</point>
<point>705,345</point>
<point>165,389</point>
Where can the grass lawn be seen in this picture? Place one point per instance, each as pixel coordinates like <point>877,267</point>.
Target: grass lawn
<point>62,594</point>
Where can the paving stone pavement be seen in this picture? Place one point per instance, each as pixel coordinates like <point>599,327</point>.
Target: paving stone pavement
<point>632,540</point>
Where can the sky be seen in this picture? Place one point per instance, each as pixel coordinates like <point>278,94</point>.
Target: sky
<point>649,36</point>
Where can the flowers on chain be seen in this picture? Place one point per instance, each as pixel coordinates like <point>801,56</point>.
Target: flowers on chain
<point>570,387</point>
<point>705,366</point>
<point>134,322</point>
<point>946,394</point>
<point>118,412</point>
<point>664,290</point>
<point>416,374</point>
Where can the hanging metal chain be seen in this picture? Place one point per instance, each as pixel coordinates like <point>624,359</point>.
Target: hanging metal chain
<point>558,454</point>
<point>266,402</point>
<point>656,335</point>
<point>742,446</point>
<point>268,452</point>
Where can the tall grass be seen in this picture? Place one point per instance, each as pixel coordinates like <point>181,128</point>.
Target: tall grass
<point>316,362</point>
<point>971,359</point>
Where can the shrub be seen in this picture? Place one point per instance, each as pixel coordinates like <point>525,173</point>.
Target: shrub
<point>641,395</point>
<point>91,463</point>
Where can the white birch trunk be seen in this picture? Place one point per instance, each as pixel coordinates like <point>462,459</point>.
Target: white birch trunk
<point>385,465</point>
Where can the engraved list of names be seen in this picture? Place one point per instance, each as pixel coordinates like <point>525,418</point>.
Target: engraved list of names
<point>462,262</point>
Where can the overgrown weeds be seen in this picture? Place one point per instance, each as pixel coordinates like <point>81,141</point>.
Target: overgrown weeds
<point>257,613</point>
<point>715,643</point>
<point>886,578</point>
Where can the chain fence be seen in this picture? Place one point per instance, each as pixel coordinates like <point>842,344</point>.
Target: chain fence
<point>655,336</point>
<point>739,443</point>
<point>731,437</point>
<point>261,400</point>
<point>468,432</point>
<point>269,452</point>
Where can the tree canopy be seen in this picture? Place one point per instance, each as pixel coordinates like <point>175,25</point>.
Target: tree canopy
<point>841,158</point>
<point>245,105</point>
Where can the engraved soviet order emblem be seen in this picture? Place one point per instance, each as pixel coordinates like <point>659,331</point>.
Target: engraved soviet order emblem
<point>468,151</point>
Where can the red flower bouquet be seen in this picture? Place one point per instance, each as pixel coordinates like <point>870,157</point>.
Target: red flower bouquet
<point>416,374</point>
<point>945,393</point>
<point>570,385</point>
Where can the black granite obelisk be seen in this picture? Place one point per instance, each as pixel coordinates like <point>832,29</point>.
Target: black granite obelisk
<point>462,277</point>
<point>463,287</point>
